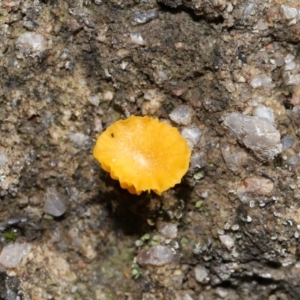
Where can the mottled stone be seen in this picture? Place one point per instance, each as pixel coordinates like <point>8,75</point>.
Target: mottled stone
<point>155,256</point>
<point>12,254</point>
<point>256,133</point>
<point>227,241</point>
<point>191,135</point>
<point>182,114</point>
<point>55,204</point>
<point>31,44</point>
<point>169,230</point>
<point>201,273</point>
<point>254,186</point>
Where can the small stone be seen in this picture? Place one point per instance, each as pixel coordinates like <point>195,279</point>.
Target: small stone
<point>80,140</point>
<point>108,96</point>
<point>191,135</point>
<point>198,160</point>
<point>227,241</point>
<point>143,17</point>
<point>94,99</point>
<point>137,38</point>
<point>155,256</point>
<point>291,79</point>
<point>289,12</point>
<point>256,133</point>
<point>187,297</point>
<point>264,112</point>
<point>12,254</point>
<point>169,230</point>
<point>254,186</point>
<point>182,114</point>
<point>55,203</point>
<point>201,273</point>
<point>3,159</point>
<point>261,81</point>
<point>287,142</point>
<point>31,44</point>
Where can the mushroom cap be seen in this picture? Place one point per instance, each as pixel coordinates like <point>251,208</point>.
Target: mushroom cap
<point>143,154</point>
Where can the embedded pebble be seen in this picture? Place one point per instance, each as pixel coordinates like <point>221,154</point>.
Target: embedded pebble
<point>12,254</point>
<point>155,256</point>
<point>291,79</point>
<point>227,241</point>
<point>287,142</point>
<point>182,114</point>
<point>289,12</point>
<point>260,81</point>
<point>3,159</point>
<point>256,133</point>
<point>264,112</point>
<point>137,38</point>
<point>191,135</point>
<point>198,160</point>
<point>80,140</point>
<point>143,17</point>
<point>55,203</point>
<point>94,99</point>
<point>169,230</point>
<point>31,44</point>
<point>201,273</point>
<point>187,297</point>
<point>253,186</point>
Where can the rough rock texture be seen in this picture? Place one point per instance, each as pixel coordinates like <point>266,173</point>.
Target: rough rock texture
<point>256,133</point>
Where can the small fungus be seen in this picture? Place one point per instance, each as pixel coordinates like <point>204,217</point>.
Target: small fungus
<point>143,154</point>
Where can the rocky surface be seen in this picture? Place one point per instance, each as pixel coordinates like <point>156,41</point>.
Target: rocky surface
<point>69,69</point>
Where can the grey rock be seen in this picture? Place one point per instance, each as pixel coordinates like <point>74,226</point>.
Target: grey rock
<point>191,135</point>
<point>182,114</point>
<point>55,204</point>
<point>201,273</point>
<point>155,256</point>
<point>256,133</point>
<point>31,44</point>
<point>169,230</point>
<point>12,254</point>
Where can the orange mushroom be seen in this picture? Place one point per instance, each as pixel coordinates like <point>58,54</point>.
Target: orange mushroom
<point>143,154</point>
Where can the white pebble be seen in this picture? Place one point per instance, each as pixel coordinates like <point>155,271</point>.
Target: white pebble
<point>289,12</point>
<point>260,81</point>
<point>264,112</point>
<point>192,135</point>
<point>227,241</point>
<point>137,38</point>
<point>182,114</point>
<point>31,44</point>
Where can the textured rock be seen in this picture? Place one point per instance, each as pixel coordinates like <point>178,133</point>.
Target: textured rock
<point>256,133</point>
<point>192,135</point>
<point>31,44</point>
<point>201,273</point>
<point>55,203</point>
<point>254,186</point>
<point>227,241</point>
<point>12,254</point>
<point>155,256</point>
<point>182,114</point>
<point>169,230</point>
